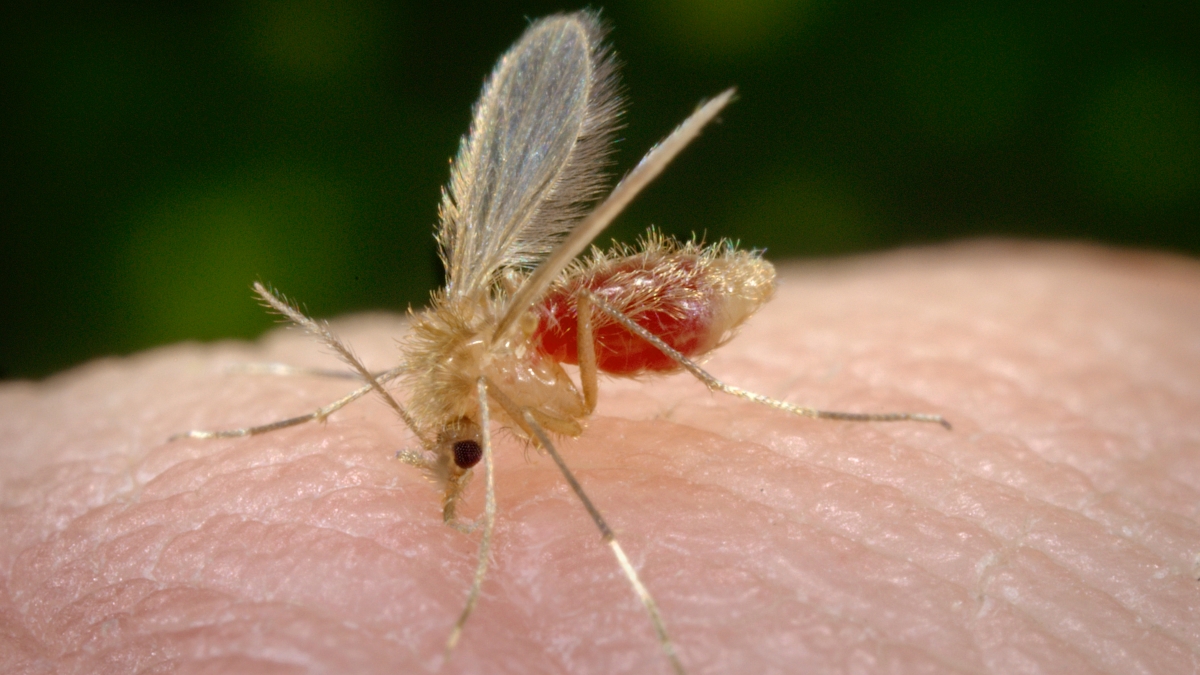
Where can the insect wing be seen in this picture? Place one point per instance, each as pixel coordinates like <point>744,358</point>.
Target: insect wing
<point>534,155</point>
<point>588,228</point>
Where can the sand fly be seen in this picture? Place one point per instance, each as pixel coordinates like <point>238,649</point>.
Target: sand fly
<point>520,302</point>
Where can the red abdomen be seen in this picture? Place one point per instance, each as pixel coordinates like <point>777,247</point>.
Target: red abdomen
<point>692,297</point>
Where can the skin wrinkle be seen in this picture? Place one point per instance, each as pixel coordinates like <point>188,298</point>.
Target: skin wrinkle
<point>1049,629</point>
<point>841,532</point>
<point>1107,529</point>
<point>1024,543</point>
<point>263,519</point>
<point>1016,544</point>
<point>1054,529</point>
<point>840,535</point>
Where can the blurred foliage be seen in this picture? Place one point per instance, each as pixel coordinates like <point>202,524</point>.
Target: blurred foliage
<point>161,158</point>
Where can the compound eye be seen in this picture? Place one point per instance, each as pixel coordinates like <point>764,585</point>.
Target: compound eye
<point>467,453</point>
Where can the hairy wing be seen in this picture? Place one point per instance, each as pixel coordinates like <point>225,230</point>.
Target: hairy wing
<point>587,229</point>
<point>534,156</point>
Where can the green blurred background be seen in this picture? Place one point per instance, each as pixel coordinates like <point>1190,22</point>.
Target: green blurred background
<point>159,159</point>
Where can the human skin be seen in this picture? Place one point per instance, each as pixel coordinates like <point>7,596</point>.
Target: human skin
<point>1055,529</point>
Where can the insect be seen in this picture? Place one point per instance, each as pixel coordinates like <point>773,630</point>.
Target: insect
<point>518,304</point>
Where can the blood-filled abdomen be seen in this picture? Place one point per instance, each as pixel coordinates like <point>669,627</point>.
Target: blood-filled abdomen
<point>690,296</point>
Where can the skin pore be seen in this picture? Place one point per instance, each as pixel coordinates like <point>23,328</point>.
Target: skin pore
<point>1055,529</point>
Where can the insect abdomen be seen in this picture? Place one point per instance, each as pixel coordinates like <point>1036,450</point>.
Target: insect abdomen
<point>690,296</point>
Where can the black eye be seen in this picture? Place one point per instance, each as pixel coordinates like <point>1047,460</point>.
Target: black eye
<point>467,454</point>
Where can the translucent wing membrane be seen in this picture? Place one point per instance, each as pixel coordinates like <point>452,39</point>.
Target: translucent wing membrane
<point>534,156</point>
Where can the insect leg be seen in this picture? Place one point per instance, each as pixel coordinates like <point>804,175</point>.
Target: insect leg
<point>606,533</point>
<point>455,487</point>
<point>717,385</point>
<point>322,332</point>
<point>527,420</point>
<point>587,351</point>
<point>318,415</point>
<point>285,370</point>
<point>489,521</point>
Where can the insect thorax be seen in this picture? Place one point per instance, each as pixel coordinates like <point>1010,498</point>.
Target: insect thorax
<point>451,346</point>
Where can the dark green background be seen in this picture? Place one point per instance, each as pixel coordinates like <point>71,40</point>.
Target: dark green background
<point>159,160</point>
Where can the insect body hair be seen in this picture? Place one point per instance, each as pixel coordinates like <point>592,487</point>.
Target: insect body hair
<point>693,296</point>
<point>449,348</point>
<point>444,353</point>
